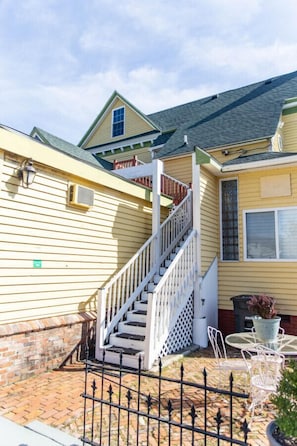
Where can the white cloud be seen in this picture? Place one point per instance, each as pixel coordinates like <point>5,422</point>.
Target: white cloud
<point>62,60</point>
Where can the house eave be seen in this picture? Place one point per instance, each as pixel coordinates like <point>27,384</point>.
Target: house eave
<point>278,162</point>
<point>25,146</point>
<point>237,144</point>
<point>120,145</point>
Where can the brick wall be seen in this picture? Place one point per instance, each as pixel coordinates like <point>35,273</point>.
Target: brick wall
<point>30,348</point>
<point>227,322</point>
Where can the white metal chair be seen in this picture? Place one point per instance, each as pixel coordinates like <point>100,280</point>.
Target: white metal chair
<point>225,364</point>
<point>265,366</point>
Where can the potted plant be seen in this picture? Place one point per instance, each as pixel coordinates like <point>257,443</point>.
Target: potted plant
<point>265,319</point>
<point>283,430</point>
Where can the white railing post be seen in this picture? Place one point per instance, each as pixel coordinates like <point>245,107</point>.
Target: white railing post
<point>150,332</point>
<point>100,326</point>
<point>157,172</point>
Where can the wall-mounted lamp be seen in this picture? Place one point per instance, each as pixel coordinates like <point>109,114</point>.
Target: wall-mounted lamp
<point>27,173</point>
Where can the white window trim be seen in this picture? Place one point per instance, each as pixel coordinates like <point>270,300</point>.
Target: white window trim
<point>274,209</point>
<point>112,121</point>
<point>221,229</point>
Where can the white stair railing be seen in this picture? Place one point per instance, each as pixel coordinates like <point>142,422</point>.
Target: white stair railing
<point>169,298</point>
<point>127,285</point>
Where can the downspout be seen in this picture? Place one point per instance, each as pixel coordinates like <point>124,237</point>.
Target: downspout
<point>199,322</point>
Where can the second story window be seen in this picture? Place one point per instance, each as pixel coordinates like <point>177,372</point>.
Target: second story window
<point>118,121</point>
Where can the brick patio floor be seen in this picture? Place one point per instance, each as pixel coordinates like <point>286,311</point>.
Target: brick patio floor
<point>54,398</point>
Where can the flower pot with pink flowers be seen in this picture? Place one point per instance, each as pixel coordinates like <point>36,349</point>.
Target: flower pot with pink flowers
<point>265,319</point>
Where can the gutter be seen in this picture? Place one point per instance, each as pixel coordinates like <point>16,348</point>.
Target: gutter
<point>260,164</point>
<point>24,146</point>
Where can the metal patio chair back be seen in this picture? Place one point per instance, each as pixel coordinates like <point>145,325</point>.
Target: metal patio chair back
<point>224,364</point>
<point>265,371</point>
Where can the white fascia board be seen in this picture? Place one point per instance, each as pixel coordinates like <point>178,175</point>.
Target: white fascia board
<point>121,144</point>
<point>289,105</point>
<point>25,146</point>
<point>143,170</point>
<point>261,164</point>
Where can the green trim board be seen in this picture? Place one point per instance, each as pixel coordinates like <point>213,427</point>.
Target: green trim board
<point>201,157</point>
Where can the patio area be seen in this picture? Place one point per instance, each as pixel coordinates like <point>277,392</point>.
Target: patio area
<point>54,398</point>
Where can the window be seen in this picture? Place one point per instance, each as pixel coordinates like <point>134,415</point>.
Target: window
<point>271,234</point>
<point>229,220</point>
<point>118,121</point>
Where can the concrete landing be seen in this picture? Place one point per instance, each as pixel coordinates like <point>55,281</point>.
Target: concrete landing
<point>33,434</point>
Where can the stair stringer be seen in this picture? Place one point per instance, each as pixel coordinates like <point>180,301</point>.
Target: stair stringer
<point>169,299</point>
<point>116,300</point>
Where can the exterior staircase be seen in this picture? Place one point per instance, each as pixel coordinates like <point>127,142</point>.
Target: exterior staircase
<point>144,303</point>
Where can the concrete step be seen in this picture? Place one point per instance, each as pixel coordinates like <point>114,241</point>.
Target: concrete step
<point>34,434</point>
<point>141,305</point>
<point>144,296</point>
<point>46,431</point>
<point>130,357</point>
<point>162,270</point>
<point>137,316</point>
<point>135,327</point>
<point>127,340</point>
<point>157,278</point>
<point>151,286</point>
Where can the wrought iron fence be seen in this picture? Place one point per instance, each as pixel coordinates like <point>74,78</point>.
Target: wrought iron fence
<point>128,407</point>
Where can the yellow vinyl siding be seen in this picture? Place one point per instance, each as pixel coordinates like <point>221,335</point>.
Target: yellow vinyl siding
<point>79,250</point>
<point>236,151</point>
<point>181,169</point>
<point>275,278</point>
<point>134,125</point>
<point>290,132</point>
<point>209,219</point>
<point>278,278</point>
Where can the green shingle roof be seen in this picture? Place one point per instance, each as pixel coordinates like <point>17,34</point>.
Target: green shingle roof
<point>264,156</point>
<point>70,149</point>
<point>245,114</point>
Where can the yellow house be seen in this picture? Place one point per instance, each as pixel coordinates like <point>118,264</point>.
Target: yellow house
<point>245,142</point>
<point>62,238</point>
<point>150,226</point>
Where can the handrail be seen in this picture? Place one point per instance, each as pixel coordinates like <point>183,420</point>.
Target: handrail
<point>126,286</point>
<point>169,298</point>
<point>169,186</point>
<point>127,163</point>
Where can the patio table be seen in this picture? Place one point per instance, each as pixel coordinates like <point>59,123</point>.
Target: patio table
<point>285,344</point>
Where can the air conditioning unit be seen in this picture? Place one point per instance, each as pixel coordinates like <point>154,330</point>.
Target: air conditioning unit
<point>80,196</point>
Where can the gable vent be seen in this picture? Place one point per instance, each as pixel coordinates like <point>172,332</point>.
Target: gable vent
<point>80,196</point>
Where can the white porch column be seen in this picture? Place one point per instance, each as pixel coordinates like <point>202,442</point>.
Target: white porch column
<point>156,217</point>
<point>199,321</point>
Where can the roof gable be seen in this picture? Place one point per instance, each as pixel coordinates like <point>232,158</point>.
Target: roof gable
<point>141,123</point>
<point>68,148</point>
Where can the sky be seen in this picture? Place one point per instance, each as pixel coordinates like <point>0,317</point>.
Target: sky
<point>61,60</point>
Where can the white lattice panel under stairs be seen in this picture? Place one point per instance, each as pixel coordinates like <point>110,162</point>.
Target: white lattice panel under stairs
<point>181,336</point>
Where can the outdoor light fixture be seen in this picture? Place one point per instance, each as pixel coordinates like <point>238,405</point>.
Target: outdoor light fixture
<point>27,172</point>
